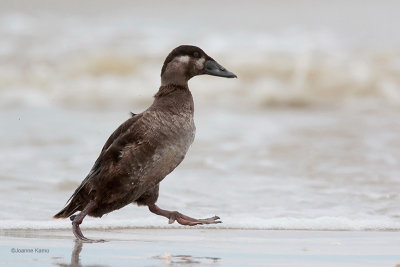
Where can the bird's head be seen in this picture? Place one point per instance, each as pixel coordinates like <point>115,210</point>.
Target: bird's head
<point>187,61</point>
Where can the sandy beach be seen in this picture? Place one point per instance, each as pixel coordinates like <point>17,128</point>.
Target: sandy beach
<point>200,247</point>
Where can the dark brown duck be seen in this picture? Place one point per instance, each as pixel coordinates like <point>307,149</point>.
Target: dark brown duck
<point>147,147</point>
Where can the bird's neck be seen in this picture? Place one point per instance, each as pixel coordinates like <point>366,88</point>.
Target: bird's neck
<point>174,74</point>
<point>174,98</point>
<point>173,89</point>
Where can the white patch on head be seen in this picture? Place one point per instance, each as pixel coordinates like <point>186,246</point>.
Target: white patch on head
<point>183,59</point>
<point>200,63</point>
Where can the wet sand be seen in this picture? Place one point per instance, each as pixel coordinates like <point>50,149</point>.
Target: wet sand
<point>200,247</point>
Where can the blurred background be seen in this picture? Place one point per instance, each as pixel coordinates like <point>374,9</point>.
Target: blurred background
<point>307,137</point>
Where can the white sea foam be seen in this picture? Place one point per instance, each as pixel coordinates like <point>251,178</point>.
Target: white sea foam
<point>316,224</point>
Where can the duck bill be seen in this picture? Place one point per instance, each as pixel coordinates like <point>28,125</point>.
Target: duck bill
<point>212,67</point>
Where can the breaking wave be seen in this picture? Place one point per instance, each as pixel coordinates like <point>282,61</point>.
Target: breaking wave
<point>45,63</point>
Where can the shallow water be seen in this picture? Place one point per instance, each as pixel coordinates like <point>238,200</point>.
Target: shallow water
<point>306,138</point>
<point>274,169</point>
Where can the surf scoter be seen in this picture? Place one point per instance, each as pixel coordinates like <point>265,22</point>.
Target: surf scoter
<point>147,147</point>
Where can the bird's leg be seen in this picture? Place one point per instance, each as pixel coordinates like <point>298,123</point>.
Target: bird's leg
<point>77,220</point>
<point>180,218</point>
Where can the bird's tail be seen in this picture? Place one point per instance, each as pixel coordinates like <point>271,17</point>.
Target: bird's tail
<point>67,211</point>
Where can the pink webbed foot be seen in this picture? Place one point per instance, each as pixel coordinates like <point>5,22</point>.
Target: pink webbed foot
<point>181,218</point>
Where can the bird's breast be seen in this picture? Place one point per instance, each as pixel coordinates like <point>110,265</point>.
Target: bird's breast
<point>171,136</point>
<point>176,136</point>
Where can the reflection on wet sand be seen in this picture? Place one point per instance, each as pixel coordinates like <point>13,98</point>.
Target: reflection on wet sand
<point>75,253</point>
<point>166,259</point>
<point>170,260</point>
<point>204,247</point>
<point>75,257</point>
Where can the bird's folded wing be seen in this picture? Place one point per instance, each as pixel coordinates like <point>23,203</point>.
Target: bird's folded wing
<point>125,135</point>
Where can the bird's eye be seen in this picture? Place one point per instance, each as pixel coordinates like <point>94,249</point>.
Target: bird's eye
<point>196,54</point>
